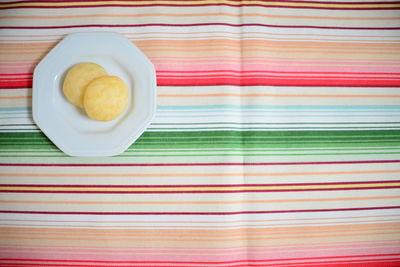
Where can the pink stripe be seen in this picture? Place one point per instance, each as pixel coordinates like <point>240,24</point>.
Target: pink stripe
<point>240,78</point>
<point>226,74</point>
<point>16,64</point>
<point>213,72</point>
<point>246,60</point>
<point>271,61</point>
<point>278,68</point>
<point>281,59</point>
<point>360,70</point>
<point>234,73</point>
<point>197,164</point>
<point>293,67</point>
<point>27,69</point>
<point>278,257</point>
<point>227,248</point>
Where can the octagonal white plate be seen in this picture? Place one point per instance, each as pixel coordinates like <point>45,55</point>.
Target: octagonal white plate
<point>67,126</point>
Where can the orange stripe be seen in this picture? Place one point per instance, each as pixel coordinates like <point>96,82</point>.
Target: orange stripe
<point>201,235</point>
<point>181,61</point>
<point>192,243</point>
<point>252,50</point>
<point>199,15</point>
<point>258,57</point>
<point>197,226</point>
<point>15,97</point>
<point>196,252</point>
<point>225,49</point>
<point>158,50</point>
<point>190,232</point>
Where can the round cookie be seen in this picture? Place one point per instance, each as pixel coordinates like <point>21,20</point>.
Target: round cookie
<point>77,78</point>
<point>105,98</point>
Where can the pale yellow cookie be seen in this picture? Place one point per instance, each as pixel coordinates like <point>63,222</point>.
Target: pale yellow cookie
<point>77,78</point>
<point>105,98</point>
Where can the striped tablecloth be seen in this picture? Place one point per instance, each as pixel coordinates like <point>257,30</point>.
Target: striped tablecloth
<point>276,140</point>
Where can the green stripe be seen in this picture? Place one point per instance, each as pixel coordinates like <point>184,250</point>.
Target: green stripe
<point>351,133</point>
<point>228,138</point>
<point>214,155</point>
<point>147,151</point>
<point>231,139</point>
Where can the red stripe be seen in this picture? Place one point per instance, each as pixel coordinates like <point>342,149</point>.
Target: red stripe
<point>275,1</point>
<point>266,78</point>
<point>277,82</point>
<point>198,24</point>
<point>249,81</point>
<point>196,164</point>
<point>199,5</point>
<point>30,74</point>
<point>11,79</point>
<point>194,213</point>
<point>193,191</point>
<point>252,75</point>
<point>27,83</point>
<point>268,73</point>
<point>210,262</point>
<point>272,71</point>
<point>344,263</point>
<point>195,75</point>
<point>327,264</point>
<point>17,74</point>
<point>246,78</point>
<point>232,84</point>
<point>183,76</point>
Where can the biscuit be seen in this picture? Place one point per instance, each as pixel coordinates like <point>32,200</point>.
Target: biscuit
<point>105,98</point>
<point>77,78</point>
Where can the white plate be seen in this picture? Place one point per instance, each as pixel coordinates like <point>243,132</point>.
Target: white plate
<point>69,127</point>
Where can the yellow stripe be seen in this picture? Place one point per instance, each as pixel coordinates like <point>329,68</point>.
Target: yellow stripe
<point>133,3</point>
<point>168,189</point>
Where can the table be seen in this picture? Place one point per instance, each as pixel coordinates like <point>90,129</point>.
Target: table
<point>276,139</point>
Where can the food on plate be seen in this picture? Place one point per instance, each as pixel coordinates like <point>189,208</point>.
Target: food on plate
<point>88,86</point>
<point>105,98</point>
<point>77,78</point>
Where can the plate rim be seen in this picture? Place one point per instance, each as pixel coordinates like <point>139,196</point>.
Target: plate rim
<point>126,142</point>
